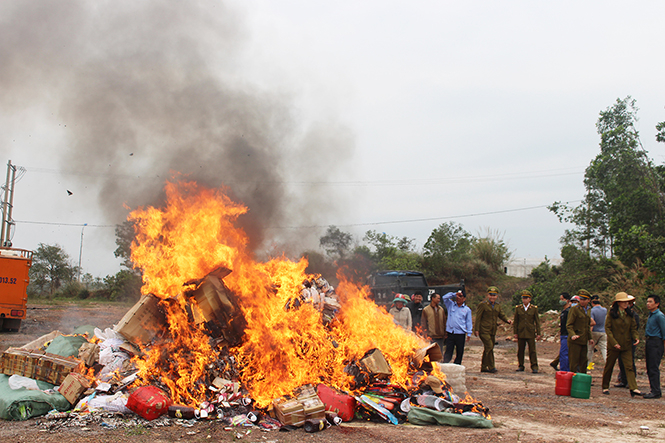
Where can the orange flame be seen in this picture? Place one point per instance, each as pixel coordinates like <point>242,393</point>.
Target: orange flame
<point>282,349</point>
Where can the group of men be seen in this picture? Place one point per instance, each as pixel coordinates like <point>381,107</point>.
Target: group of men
<point>582,326</point>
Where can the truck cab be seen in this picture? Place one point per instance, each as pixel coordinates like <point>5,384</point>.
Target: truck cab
<point>385,284</point>
<point>14,278</point>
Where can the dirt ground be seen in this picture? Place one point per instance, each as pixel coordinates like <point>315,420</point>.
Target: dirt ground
<point>523,405</point>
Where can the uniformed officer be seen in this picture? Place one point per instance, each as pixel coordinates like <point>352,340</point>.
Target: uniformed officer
<point>579,332</point>
<point>526,326</point>
<point>487,314</point>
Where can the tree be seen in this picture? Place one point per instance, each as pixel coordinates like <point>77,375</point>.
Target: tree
<point>623,191</point>
<point>50,269</point>
<point>392,252</point>
<point>491,249</point>
<point>336,243</point>
<point>124,236</point>
<point>447,244</point>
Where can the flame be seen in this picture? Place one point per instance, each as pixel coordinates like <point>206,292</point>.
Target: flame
<point>282,349</point>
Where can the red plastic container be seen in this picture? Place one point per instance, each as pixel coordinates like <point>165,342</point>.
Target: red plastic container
<point>149,402</point>
<point>564,381</point>
<point>341,404</point>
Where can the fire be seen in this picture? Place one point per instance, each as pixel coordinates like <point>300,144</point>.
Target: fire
<point>281,348</point>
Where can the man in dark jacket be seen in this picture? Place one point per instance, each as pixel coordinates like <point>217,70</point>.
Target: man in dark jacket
<point>526,327</point>
<point>487,314</point>
<point>416,307</point>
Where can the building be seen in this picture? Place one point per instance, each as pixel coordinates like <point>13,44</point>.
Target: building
<point>522,267</point>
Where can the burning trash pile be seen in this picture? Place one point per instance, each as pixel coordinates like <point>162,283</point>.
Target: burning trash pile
<point>220,336</point>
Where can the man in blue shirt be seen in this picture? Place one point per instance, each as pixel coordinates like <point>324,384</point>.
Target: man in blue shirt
<point>597,314</point>
<point>655,343</point>
<point>459,325</point>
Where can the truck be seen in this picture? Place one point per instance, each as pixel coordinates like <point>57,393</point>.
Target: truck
<point>14,278</point>
<point>384,285</point>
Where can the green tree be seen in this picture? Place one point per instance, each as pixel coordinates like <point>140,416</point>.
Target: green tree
<point>123,286</point>
<point>448,243</point>
<point>623,191</point>
<point>336,243</point>
<point>51,268</point>
<point>390,252</point>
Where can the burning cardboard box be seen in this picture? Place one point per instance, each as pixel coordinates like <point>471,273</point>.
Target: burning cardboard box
<point>143,322</point>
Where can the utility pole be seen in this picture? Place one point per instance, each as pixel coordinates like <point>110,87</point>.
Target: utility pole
<point>7,205</point>
<point>81,252</point>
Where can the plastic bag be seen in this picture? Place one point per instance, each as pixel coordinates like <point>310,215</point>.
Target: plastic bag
<point>19,381</point>
<point>110,403</point>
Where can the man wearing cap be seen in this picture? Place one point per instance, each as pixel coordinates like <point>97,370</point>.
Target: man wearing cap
<point>655,344</point>
<point>434,321</point>
<point>526,327</point>
<point>459,326</point>
<point>487,314</point>
<point>579,332</point>
<point>597,314</point>
<point>401,316</point>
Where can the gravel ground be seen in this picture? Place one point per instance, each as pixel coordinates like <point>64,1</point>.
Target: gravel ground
<point>523,405</point>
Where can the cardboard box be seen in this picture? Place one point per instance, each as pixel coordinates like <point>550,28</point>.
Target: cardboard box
<point>89,353</point>
<point>143,322</point>
<point>73,386</point>
<point>42,366</point>
<point>375,363</point>
<point>289,411</point>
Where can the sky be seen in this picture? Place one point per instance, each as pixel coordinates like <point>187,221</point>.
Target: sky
<point>391,116</point>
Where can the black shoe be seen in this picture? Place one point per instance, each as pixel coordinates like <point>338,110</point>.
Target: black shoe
<point>519,370</point>
<point>606,391</point>
<point>636,393</point>
<point>555,366</point>
<point>535,371</point>
<point>620,385</point>
<point>493,371</point>
<point>484,370</point>
<point>651,395</point>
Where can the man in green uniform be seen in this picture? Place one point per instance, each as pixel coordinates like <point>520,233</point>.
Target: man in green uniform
<point>579,332</point>
<point>526,326</point>
<point>487,314</point>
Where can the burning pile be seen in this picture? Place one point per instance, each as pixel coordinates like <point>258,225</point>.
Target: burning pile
<point>215,326</point>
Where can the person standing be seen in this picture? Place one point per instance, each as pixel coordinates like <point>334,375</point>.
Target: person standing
<point>655,344</point>
<point>621,378</point>
<point>416,308</point>
<point>487,314</point>
<point>401,315</point>
<point>459,325</point>
<point>579,332</point>
<point>434,321</point>
<point>562,358</point>
<point>621,337</point>
<point>526,327</point>
<point>597,314</point>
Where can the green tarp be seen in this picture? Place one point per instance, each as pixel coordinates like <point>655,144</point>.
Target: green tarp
<point>21,404</point>
<point>425,416</point>
<point>66,345</point>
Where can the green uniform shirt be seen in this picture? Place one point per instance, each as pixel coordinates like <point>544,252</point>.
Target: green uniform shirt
<point>621,331</point>
<point>526,323</point>
<point>486,318</point>
<point>579,323</point>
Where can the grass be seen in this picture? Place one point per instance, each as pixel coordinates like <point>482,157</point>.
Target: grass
<point>32,301</point>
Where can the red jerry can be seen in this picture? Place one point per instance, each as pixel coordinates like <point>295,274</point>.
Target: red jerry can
<point>564,381</point>
<point>149,402</point>
<point>341,404</point>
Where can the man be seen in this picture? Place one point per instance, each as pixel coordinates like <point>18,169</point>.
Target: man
<point>401,316</point>
<point>416,308</point>
<point>487,314</point>
<point>579,332</point>
<point>459,325</point>
<point>434,321</point>
<point>526,327</point>
<point>655,344</point>
<point>597,314</point>
<point>622,382</point>
<point>562,358</point>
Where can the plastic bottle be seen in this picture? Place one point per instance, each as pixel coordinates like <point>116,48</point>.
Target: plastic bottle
<point>333,418</point>
<point>431,402</point>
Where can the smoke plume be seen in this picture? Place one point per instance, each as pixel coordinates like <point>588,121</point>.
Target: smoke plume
<point>150,88</point>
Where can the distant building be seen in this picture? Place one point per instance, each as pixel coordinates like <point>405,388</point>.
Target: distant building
<point>522,267</point>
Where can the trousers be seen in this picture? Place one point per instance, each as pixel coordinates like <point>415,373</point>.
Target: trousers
<point>626,357</point>
<point>654,354</point>
<point>487,361</point>
<point>600,341</point>
<point>577,356</point>
<point>454,341</point>
<point>533,357</point>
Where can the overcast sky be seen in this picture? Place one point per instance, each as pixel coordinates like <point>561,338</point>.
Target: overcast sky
<point>391,116</point>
